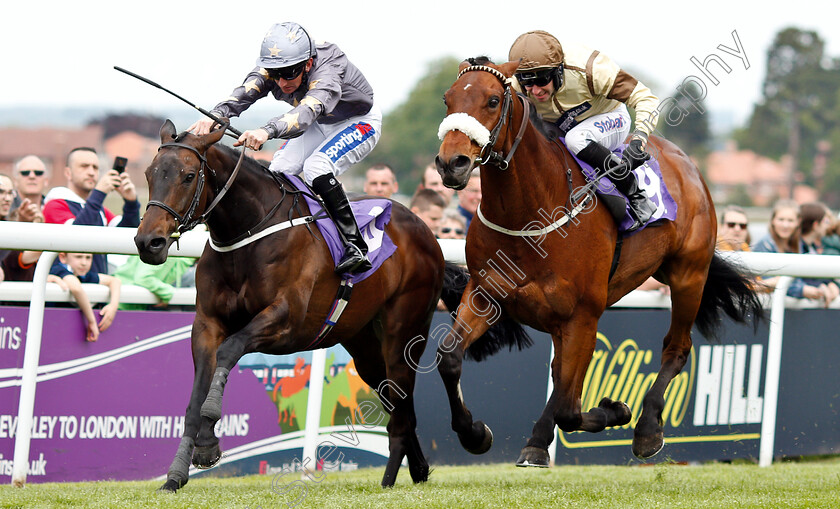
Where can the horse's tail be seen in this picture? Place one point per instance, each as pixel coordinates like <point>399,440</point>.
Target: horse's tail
<point>727,289</point>
<point>504,332</point>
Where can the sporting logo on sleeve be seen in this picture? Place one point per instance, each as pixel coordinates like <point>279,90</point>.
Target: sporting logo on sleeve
<point>347,140</point>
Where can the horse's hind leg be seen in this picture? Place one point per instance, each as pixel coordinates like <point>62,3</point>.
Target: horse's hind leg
<point>686,294</point>
<point>203,349</point>
<point>395,386</point>
<point>402,428</point>
<point>397,392</point>
<point>403,321</point>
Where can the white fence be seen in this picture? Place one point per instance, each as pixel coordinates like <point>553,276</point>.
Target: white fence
<point>52,238</point>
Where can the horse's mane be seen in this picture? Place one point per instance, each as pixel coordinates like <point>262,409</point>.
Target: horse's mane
<point>229,151</point>
<point>480,60</point>
<point>546,128</point>
<point>232,152</point>
<point>280,179</point>
<point>257,165</point>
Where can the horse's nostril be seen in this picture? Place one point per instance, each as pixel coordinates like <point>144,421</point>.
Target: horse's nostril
<point>460,162</point>
<point>157,243</point>
<point>439,164</point>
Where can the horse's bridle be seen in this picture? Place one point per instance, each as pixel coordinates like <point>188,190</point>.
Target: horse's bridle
<point>488,154</point>
<point>478,133</point>
<point>187,222</point>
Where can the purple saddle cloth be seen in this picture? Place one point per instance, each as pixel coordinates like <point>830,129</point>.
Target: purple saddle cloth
<point>650,179</point>
<point>371,215</point>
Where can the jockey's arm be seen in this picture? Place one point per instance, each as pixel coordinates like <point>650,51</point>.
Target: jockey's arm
<point>256,86</point>
<point>615,83</point>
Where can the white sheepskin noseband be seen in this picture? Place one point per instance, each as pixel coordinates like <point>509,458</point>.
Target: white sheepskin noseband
<point>467,125</point>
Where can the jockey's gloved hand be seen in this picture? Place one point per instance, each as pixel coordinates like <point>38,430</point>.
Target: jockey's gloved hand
<point>635,154</point>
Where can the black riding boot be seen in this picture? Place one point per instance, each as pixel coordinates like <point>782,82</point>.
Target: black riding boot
<point>602,159</point>
<point>355,258</point>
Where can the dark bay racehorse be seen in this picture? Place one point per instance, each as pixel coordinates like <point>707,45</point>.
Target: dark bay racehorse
<point>559,280</point>
<point>273,295</point>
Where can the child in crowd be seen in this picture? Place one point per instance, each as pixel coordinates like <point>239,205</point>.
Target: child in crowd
<point>158,279</point>
<point>69,273</point>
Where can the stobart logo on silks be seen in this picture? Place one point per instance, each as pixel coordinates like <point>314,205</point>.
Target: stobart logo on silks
<point>347,140</point>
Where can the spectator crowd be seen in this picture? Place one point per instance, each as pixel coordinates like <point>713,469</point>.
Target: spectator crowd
<point>792,228</point>
<point>24,197</point>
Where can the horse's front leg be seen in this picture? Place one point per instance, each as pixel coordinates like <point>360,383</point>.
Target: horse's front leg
<point>573,348</point>
<point>471,322</point>
<point>205,338</point>
<point>270,322</point>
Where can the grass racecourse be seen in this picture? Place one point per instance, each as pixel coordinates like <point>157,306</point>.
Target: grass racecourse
<point>786,484</point>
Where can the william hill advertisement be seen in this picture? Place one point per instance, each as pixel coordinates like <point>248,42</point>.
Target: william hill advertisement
<point>715,399</point>
<point>713,408</point>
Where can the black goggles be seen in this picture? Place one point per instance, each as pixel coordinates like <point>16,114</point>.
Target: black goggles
<point>536,78</point>
<point>286,73</point>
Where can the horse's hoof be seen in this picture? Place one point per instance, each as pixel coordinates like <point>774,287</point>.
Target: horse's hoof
<point>388,480</point>
<point>618,412</point>
<point>170,486</point>
<point>480,445</point>
<point>647,447</point>
<point>206,457</point>
<point>533,457</point>
<point>419,474</point>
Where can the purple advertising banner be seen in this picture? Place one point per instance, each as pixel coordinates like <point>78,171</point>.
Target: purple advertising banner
<point>114,409</point>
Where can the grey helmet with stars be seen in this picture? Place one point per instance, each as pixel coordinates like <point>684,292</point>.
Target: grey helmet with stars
<point>284,45</point>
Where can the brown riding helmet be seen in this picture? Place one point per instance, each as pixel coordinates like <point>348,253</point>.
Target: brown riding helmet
<point>537,49</point>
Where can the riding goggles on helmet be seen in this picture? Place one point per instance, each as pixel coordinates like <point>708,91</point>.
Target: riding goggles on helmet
<point>537,78</point>
<point>286,73</point>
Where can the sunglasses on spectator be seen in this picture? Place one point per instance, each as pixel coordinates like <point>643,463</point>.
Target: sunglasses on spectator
<point>286,73</point>
<point>742,226</point>
<point>535,78</point>
<point>458,231</point>
<point>27,173</point>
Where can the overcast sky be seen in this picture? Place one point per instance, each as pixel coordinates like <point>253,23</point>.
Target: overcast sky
<point>62,53</point>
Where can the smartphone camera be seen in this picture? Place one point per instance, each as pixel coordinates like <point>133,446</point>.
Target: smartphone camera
<point>119,164</point>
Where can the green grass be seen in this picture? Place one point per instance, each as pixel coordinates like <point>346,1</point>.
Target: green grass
<point>801,484</point>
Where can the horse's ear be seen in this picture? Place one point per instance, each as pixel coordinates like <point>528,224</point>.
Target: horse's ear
<point>167,131</point>
<point>211,138</point>
<point>509,68</point>
<point>463,65</point>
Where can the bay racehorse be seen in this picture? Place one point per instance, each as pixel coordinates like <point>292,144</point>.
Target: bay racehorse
<point>560,245</point>
<point>273,295</point>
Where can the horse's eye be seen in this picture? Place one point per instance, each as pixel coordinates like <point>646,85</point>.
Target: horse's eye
<point>493,102</point>
<point>444,100</point>
<point>189,178</point>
